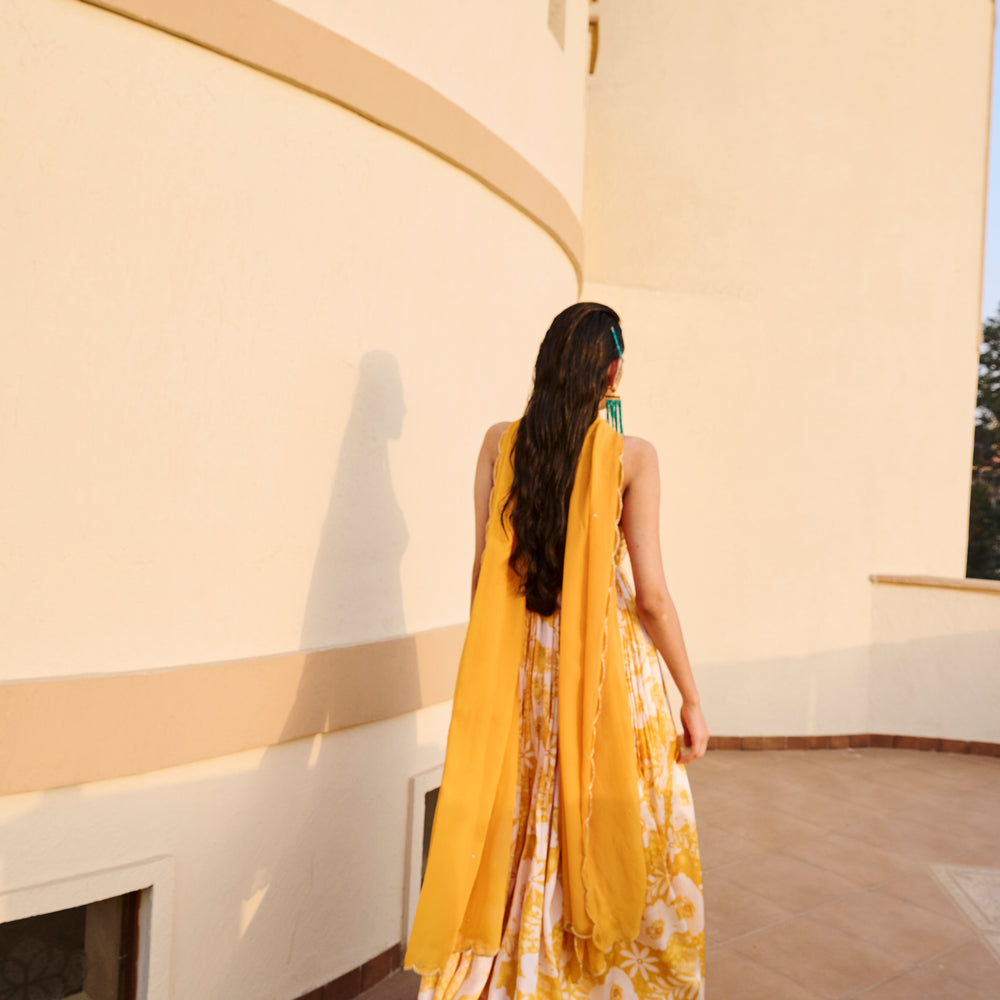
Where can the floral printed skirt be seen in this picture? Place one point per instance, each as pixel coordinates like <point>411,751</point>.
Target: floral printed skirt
<point>536,957</point>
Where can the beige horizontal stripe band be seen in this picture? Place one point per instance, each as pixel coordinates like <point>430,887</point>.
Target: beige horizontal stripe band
<point>944,582</point>
<point>69,731</point>
<point>285,44</point>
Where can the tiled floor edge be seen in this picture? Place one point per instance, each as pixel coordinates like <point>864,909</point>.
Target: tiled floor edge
<point>846,740</point>
<point>361,978</point>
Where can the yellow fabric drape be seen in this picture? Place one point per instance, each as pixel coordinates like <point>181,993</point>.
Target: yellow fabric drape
<point>464,894</point>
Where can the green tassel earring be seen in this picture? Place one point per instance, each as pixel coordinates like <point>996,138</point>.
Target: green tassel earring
<point>613,403</point>
<point>614,413</point>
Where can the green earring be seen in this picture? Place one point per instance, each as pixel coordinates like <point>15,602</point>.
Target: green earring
<point>613,404</point>
<point>614,413</point>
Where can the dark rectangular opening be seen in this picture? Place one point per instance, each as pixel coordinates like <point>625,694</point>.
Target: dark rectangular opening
<point>430,804</point>
<point>85,952</point>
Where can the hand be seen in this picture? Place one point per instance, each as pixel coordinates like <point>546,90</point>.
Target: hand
<point>695,733</point>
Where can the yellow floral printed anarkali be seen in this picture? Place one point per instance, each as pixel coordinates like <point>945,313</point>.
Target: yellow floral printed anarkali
<point>536,958</point>
<point>564,858</point>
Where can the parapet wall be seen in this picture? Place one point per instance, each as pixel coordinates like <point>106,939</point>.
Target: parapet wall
<point>935,658</point>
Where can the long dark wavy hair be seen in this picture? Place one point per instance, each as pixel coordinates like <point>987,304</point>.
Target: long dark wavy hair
<point>571,378</point>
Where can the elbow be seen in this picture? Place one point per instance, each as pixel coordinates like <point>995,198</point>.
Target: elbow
<point>653,606</point>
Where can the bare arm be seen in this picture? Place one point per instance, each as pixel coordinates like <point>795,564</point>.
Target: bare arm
<point>641,526</point>
<point>483,487</point>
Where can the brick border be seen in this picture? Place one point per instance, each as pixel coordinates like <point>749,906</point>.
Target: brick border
<point>364,977</point>
<point>844,741</point>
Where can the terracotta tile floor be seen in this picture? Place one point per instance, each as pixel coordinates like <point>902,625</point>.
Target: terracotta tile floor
<point>869,873</point>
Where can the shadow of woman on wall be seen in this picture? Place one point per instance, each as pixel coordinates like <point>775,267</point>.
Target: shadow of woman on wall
<point>321,870</point>
<point>356,578</point>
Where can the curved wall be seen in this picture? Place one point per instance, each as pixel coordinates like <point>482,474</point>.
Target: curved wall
<point>252,341</point>
<point>244,318</point>
<point>785,202</point>
<point>464,49</point>
<point>286,862</point>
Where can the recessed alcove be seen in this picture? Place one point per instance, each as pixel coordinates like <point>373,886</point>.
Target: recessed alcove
<point>87,952</point>
<point>423,796</point>
<point>97,935</point>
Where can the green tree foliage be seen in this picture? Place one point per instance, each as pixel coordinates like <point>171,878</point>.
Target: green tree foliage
<point>984,508</point>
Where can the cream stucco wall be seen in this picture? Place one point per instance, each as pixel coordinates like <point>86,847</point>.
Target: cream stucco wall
<point>785,203</point>
<point>936,661</point>
<point>241,322</point>
<point>499,60</point>
<point>251,343</point>
<point>286,863</point>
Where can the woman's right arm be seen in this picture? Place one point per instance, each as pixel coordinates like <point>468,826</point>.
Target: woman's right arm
<point>483,487</point>
<point>641,527</point>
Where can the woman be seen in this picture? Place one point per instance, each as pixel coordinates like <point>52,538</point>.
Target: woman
<point>564,858</point>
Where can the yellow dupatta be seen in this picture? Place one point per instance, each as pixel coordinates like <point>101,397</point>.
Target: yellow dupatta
<point>464,895</point>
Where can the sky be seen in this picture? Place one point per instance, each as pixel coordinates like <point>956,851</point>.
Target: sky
<point>991,265</point>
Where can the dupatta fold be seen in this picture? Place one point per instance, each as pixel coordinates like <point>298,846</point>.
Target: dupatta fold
<point>464,895</point>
